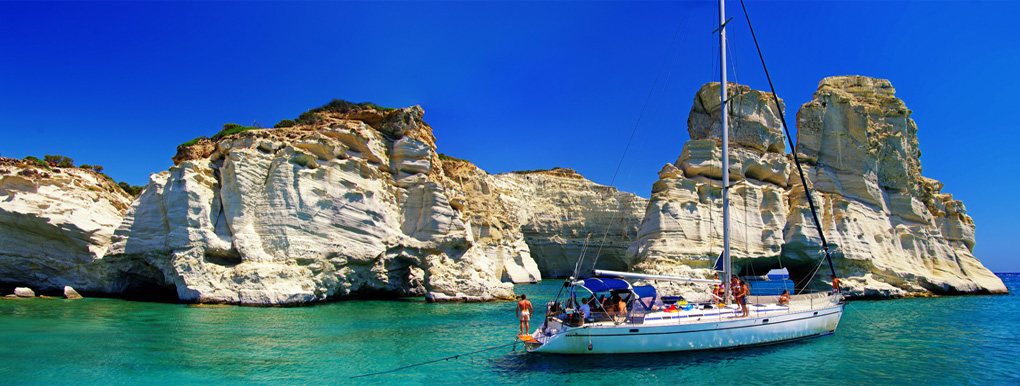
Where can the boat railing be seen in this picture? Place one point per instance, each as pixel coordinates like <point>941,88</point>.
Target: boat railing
<point>799,302</point>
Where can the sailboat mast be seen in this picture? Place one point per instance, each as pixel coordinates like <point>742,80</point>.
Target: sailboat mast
<point>724,112</point>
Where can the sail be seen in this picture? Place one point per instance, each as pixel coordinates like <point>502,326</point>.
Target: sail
<point>719,263</point>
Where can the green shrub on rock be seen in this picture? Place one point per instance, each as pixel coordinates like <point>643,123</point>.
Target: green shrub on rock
<point>192,142</point>
<point>232,128</point>
<point>130,189</point>
<point>37,161</point>
<point>285,123</point>
<point>59,161</point>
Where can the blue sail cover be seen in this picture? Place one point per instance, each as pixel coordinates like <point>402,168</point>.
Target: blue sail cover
<point>605,284</point>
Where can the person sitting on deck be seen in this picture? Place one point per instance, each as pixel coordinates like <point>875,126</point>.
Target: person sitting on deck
<point>835,284</point>
<point>585,308</point>
<point>609,305</point>
<point>784,299</point>
<point>621,307</point>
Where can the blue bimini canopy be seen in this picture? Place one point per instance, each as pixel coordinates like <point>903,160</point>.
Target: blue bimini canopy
<point>605,284</point>
<point>646,296</point>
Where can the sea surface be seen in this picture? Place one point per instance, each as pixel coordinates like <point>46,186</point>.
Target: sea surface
<point>961,340</point>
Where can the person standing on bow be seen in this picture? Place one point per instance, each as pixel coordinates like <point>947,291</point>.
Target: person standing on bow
<point>524,311</point>
<point>740,293</point>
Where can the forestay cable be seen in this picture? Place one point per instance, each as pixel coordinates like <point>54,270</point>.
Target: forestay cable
<point>793,150</point>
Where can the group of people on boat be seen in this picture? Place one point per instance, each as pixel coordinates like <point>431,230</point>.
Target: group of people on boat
<point>614,307</point>
<point>740,293</point>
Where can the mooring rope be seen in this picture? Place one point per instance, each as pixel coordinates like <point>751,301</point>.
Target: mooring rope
<point>434,361</point>
<point>865,317</point>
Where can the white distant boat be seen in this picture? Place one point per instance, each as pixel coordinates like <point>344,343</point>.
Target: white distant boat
<point>652,325</point>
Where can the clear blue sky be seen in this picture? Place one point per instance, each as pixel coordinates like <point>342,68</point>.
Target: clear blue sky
<point>507,85</point>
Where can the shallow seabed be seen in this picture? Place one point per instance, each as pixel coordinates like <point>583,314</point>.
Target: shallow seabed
<point>966,340</point>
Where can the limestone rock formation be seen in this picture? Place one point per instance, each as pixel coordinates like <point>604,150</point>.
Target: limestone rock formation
<point>493,218</point>
<point>355,204</point>
<point>559,209</point>
<point>24,292</point>
<point>356,201</point>
<point>887,223</point>
<point>70,293</point>
<point>544,216</point>
<point>56,225</point>
<point>891,231</point>
<point>682,226</point>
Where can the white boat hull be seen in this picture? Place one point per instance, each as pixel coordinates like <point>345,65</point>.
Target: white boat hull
<point>714,333</point>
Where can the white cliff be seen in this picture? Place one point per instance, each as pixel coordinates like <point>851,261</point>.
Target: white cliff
<point>891,231</point>
<point>351,205</point>
<point>558,210</point>
<point>56,224</point>
<point>357,202</point>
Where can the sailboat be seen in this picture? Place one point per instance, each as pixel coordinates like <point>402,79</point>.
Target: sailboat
<point>635,319</point>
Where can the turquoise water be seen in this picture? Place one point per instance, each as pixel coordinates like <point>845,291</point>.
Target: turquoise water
<point>935,341</point>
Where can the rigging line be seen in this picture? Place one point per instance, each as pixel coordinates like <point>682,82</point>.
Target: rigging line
<point>747,241</point>
<point>580,259</point>
<point>793,150</point>
<point>665,83</point>
<point>433,361</point>
<point>862,315</point>
<point>733,60</point>
<point>804,281</point>
<point>648,98</point>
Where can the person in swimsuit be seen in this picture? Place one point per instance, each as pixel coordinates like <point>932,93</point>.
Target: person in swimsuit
<point>740,292</point>
<point>734,289</point>
<point>524,311</point>
<point>784,299</point>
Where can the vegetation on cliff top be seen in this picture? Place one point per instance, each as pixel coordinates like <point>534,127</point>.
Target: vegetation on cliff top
<point>336,106</point>
<point>50,161</point>
<point>445,157</point>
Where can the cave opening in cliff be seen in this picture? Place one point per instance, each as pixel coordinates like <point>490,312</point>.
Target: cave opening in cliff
<point>147,290</point>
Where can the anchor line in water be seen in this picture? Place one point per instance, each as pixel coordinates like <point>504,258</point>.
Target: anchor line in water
<point>454,357</point>
<point>865,317</point>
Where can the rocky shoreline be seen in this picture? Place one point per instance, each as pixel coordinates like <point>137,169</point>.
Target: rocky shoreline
<point>358,202</point>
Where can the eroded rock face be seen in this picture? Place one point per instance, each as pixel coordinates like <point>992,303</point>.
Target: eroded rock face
<point>492,216</point>
<point>361,204</point>
<point>559,209</point>
<point>682,229</point>
<point>354,205</point>
<point>56,225</point>
<point>539,220</point>
<point>886,223</point>
<point>891,231</point>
